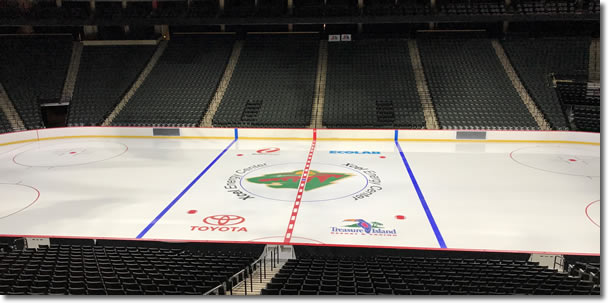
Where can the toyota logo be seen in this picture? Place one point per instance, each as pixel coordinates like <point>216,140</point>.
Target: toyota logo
<point>224,220</point>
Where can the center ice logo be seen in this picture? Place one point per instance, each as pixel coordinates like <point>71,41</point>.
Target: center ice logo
<point>325,182</point>
<point>292,179</point>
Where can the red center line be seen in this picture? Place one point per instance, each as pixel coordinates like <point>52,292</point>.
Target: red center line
<point>303,181</point>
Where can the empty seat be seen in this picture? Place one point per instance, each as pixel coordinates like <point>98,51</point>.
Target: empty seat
<point>265,291</point>
<point>288,291</point>
<point>187,74</point>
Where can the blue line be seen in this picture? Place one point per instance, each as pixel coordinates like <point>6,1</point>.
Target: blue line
<point>429,215</point>
<point>168,207</point>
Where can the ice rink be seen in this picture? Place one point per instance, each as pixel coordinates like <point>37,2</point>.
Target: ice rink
<point>495,191</point>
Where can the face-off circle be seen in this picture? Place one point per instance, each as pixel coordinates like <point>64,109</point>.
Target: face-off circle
<point>70,154</point>
<point>593,211</point>
<point>16,198</point>
<point>560,160</point>
<point>325,182</point>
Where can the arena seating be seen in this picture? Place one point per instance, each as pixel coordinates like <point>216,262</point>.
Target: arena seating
<point>272,84</point>
<point>117,270</point>
<point>178,90</point>
<point>371,84</point>
<point>587,118</point>
<point>44,9</point>
<point>305,8</point>
<point>108,10</point>
<point>104,76</point>
<point>138,9</point>
<point>484,7</point>
<point>341,8</point>
<point>34,68</point>
<point>469,87</point>
<point>380,8</point>
<point>545,7</point>
<point>203,8</point>
<point>170,9</point>
<point>395,275</point>
<point>418,7</point>
<point>581,101</point>
<point>592,6</point>
<point>586,271</point>
<point>536,60</point>
<point>239,8</point>
<point>5,126</point>
<point>271,8</point>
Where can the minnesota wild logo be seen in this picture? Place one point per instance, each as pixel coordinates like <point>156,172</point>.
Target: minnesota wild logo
<point>292,179</point>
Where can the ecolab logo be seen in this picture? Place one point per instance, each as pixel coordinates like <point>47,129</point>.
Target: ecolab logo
<point>222,223</point>
<point>354,152</point>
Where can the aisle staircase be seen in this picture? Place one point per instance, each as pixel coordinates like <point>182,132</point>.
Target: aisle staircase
<point>223,86</point>
<point>316,120</point>
<point>254,286</point>
<point>70,79</point>
<point>140,80</point>
<point>423,90</point>
<point>7,107</point>
<point>594,61</point>
<point>519,87</point>
<point>275,257</point>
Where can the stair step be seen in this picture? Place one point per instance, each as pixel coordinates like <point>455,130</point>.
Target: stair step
<point>239,290</point>
<point>140,80</point>
<point>207,120</point>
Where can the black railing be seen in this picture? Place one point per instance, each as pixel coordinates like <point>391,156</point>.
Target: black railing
<point>246,274</point>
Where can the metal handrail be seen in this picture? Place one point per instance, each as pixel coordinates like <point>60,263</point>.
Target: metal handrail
<point>246,273</point>
<point>215,290</point>
<point>236,277</point>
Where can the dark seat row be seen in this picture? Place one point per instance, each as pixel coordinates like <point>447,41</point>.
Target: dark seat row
<point>100,270</point>
<point>419,275</point>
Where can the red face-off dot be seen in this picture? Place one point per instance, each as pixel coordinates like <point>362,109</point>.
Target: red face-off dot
<point>400,217</point>
<point>239,155</point>
<point>71,153</point>
<point>572,160</point>
<point>192,211</point>
<point>382,157</point>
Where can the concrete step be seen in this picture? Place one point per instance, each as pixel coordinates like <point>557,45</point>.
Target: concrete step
<point>316,120</point>
<point>223,86</point>
<point>140,80</point>
<point>519,87</point>
<point>239,289</point>
<point>7,107</point>
<point>72,75</point>
<point>423,91</point>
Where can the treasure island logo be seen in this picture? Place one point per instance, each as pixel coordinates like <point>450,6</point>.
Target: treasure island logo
<point>314,180</point>
<point>363,227</point>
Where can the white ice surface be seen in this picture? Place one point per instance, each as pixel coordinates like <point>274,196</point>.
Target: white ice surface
<point>494,196</point>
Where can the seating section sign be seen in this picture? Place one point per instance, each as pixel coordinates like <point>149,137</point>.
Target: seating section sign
<point>338,38</point>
